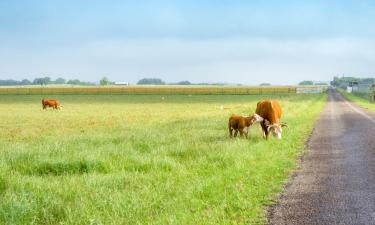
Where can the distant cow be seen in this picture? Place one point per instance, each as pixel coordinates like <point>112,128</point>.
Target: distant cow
<point>270,111</point>
<point>242,124</point>
<point>51,103</point>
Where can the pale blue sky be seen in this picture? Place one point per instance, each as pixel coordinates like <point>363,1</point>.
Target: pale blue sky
<point>281,42</point>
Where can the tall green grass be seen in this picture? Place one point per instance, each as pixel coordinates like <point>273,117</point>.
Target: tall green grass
<point>143,159</point>
<point>365,103</point>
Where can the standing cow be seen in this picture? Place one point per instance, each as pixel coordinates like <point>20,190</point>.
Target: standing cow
<point>270,111</point>
<point>242,124</point>
<point>51,103</point>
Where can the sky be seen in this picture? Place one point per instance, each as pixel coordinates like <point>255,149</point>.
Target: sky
<point>231,41</point>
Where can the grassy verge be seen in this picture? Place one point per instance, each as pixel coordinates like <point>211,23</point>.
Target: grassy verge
<point>358,100</point>
<point>143,159</point>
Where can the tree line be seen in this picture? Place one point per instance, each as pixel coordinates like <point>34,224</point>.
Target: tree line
<point>149,81</point>
<point>310,82</point>
<point>104,81</point>
<point>157,81</point>
<point>43,81</point>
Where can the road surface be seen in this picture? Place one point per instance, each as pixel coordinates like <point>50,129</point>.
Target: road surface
<point>335,183</point>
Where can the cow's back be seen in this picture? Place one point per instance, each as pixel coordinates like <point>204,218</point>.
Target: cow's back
<point>234,121</point>
<point>269,110</point>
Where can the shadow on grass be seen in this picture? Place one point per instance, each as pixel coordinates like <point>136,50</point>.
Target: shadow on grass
<point>59,168</point>
<point>3,185</point>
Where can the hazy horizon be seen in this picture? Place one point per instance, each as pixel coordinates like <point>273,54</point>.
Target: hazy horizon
<point>228,41</point>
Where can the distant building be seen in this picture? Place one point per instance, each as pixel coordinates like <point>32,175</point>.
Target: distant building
<point>122,83</point>
<point>352,87</point>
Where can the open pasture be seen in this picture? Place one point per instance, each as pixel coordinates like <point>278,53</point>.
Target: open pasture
<point>143,159</point>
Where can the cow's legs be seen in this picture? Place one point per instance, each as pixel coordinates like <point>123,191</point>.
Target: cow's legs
<point>264,128</point>
<point>230,132</point>
<point>246,131</point>
<point>235,133</point>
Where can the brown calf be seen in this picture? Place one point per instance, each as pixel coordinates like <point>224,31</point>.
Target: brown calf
<point>242,124</point>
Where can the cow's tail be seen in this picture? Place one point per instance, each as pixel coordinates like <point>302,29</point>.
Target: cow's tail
<point>230,127</point>
<point>44,107</point>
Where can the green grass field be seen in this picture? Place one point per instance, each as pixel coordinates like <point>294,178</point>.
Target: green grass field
<point>141,159</point>
<point>365,103</point>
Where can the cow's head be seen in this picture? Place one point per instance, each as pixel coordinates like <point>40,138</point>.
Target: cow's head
<point>275,129</point>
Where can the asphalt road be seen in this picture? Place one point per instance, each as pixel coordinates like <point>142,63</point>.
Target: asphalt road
<point>335,183</point>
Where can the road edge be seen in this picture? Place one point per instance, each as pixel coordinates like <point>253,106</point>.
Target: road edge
<point>293,173</point>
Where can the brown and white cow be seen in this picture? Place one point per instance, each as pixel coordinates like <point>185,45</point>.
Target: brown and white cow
<point>242,124</point>
<point>51,103</point>
<point>270,111</point>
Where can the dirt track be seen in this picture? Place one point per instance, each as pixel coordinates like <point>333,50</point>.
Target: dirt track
<point>336,181</point>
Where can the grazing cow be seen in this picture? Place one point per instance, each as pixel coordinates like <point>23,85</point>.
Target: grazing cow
<point>270,111</point>
<point>242,124</point>
<point>51,103</point>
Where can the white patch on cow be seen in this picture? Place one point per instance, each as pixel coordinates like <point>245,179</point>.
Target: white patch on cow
<point>258,118</point>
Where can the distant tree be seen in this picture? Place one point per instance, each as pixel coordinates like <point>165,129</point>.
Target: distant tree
<point>265,84</point>
<point>42,80</point>
<point>25,82</point>
<point>86,83</point>
<point>155,81</point>
<point>335,81</point>
<point>321,83</point>
<point>60,81</point>
<point>9,82</point>
<point>105,81</point>
<point>74,82</point>
<point>78,82</point>
<point>306,82</point>
<point>46,80</point>
<point>185,82</point>
<point>38,81</point>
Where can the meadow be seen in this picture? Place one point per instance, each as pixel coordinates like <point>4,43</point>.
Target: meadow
<point>144,159</point>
